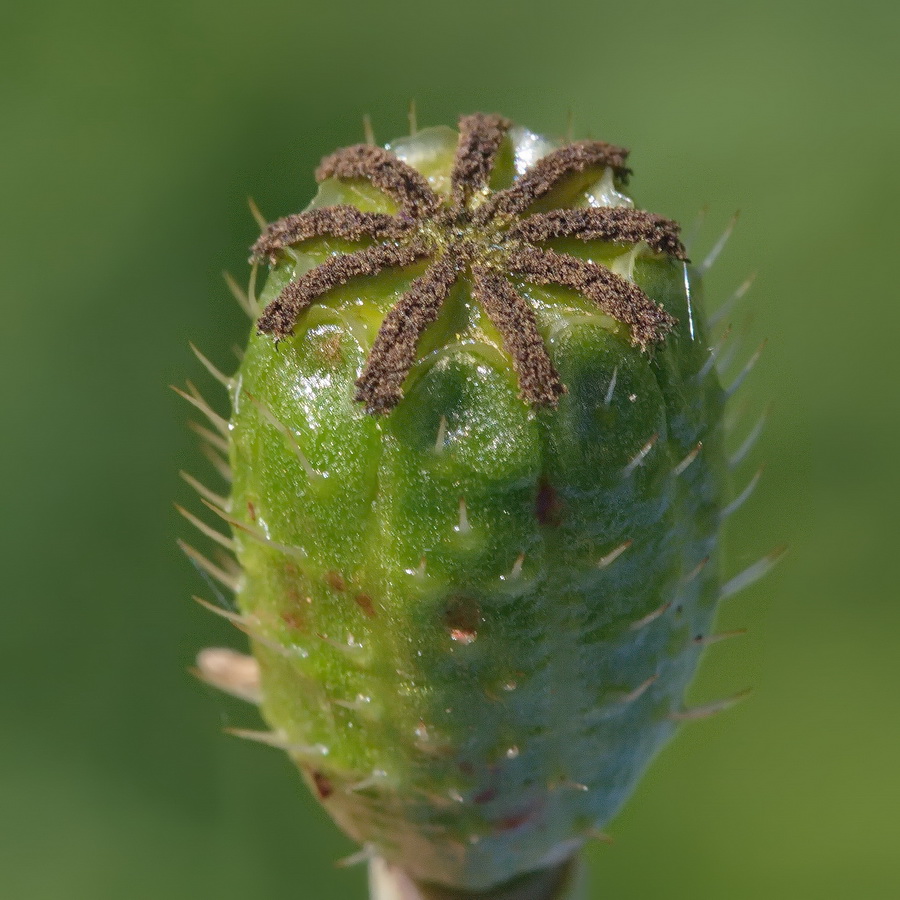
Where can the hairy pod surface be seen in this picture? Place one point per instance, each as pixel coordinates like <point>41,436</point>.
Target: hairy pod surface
<point>475,610</point>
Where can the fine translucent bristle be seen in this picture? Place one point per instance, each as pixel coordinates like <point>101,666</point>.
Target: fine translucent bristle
<point>640,690</point>
<point>741,498</point>
<point>748,368</point>
<point>217,500</point>
<point>705,711</point>
<point>224,578</point>
<point>241,297</point>
<point>688,459</point>
<point>719,245</point>
<point>193,396</point>
<point>218,462</point>
<point>216,373</point>
<point>749,442</point>
<point>278,740</point>
<point>258,217</point>
<point>214,440</point>
<point>751,574</point>
<point>729,303</point>
<point>613,554</point>
<point>203,528</point>
<point>272,419</point>
<point>640,456</point>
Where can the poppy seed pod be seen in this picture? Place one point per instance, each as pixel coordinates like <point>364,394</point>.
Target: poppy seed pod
<point>478,482</point>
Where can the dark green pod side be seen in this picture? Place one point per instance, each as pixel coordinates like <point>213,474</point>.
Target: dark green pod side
<point>475,619</point>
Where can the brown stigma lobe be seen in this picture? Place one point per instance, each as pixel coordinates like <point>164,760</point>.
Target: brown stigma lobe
<point>401,239</point>
<point>331,221</point>
<point>401,182</point>
<point>480,138</point>
<point>614,224</point>
<point>548,171</point>
<point>279,316</point>
<point>615,295</point>
<point>394,349</point>
<point>511,315</point>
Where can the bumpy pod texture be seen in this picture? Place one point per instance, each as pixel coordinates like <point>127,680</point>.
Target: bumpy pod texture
<point>475,559</point>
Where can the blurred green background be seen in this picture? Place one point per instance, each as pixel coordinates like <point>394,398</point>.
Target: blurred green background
<point>132,136</point>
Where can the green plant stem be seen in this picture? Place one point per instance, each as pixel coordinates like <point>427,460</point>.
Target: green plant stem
<point>565,882</point>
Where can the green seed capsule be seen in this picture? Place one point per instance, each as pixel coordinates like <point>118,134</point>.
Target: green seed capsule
<point>478,478</point>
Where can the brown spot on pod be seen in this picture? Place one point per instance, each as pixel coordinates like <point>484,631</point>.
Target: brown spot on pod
<point>517,820</point>
<point>324,787</point>
<point>364,602</point>
<point>486,795</point>
<point>295,619</point>
<point>462,616</point>
<point>335,581</point>
<point>548,506</point>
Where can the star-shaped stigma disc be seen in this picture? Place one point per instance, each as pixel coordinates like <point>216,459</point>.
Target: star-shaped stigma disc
<point>475,233</point>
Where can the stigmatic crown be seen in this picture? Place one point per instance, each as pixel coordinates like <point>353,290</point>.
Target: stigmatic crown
<point>475,233</point>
